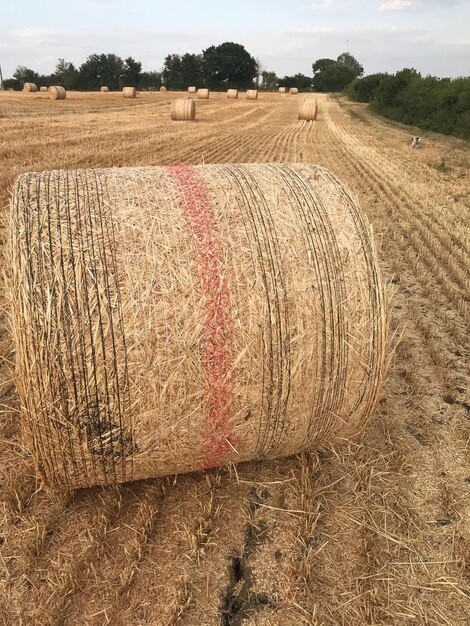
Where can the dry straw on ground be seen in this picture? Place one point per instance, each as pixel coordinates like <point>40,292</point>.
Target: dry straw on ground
<point>129,92</point>
<point>183,109</point>
<point>56,92</point>
<point>163,88</point>
<point>192,89</point>
<point>252,94</point>
<point>43,88</point>
<point>293,90</point>
<point>282,90</point>
<point>29,88</point>
<point>169,319</point>
<point>104,89</point>
<point>232,94</point>
<point>308,110</point>
<point>203,94</point>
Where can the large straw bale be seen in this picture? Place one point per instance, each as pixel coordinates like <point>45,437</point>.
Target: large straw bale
<point>192,89</point>
<point>129,92</point>
<point>282,90</point>
<point>170,319</point>
<point>29,88</point>
<point>104,89</point>
<point>308,110</point>
<point>183,109</point>
<point>163,88</point>
<point>293,90</point>
<point>252,94</point>
<point>56,92</point>
<point>232,94</point>
<point>203,94</point>
<point>43,88</point>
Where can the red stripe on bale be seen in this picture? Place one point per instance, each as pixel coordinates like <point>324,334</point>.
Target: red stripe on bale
<point>213,298</point>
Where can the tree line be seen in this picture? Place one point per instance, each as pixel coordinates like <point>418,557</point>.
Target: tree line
<point>217,67</point>
<point>436,104</point>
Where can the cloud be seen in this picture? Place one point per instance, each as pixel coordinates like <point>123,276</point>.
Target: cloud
<point>413,5</point>
<point>320,5</point>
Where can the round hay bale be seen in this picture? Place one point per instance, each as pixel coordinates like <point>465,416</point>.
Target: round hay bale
<point>252,94</point>
<point>29,88</point>
<point>56,92</point>
<point>293,90</point>
<point>104,89</point>
<point>308,110</point>
<point>183,109</point>
<point>203,94</point>
<point>171,319</point>
<point>282,90</point>
<point>232,94</point>
<point>163,88</point>
<point>42,88</point>
<point>192,90</point>
<point>129,92</point>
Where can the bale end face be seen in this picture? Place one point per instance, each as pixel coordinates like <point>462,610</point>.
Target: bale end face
<point>282,90</point>
<point>232,94</point>
<point>129,92</point>
<point>104,89</point>
<point>261,335</point>
<point>308,110</point>
<point>293,91</point>
<point>203,94</point>
<point>183,110</point>
<point>252,94</point>
<point>192,89</point>
<point>56,92</point>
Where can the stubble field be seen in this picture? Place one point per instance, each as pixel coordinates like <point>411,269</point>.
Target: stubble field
<point>376,531</point>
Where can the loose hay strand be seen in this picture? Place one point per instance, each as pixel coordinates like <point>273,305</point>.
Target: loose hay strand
<point>172,319</point>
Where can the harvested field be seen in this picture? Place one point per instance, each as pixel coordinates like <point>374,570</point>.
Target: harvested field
<point>376,531</point>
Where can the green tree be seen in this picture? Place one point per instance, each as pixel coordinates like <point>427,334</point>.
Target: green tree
<point>390,88</point>
<point>191,70</point>
<point>66,75</point>
<point>132,71</point>
<point>25,75</point>
<point>269,81</point>
<point>331,75</point>
<point>171,73</point>
<point>150,80</point>
<point>322,64</point>
<point>365,89</point>
<point>101,69</point>
<point>228,65</point>
<point>302,82</point>
<point>348,60</point>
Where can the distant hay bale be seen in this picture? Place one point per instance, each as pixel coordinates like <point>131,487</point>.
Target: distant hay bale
<point>170,319</point>
<point>192,90</point>
<point>293,90</point>
<point>232,94</point>
<point>308,110</point>
<point>129,92</point>
<point>56,92</point>
<point>282,90</point>
<point>43,88</point>
<point>104,89</point>
<point>203,94</point>
<point>29,88</point>
<point>163,88</point>
<point>183,109</point>
<point>252,94</point>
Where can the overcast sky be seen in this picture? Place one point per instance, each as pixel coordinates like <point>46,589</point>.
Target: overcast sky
<point>286,35</point>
